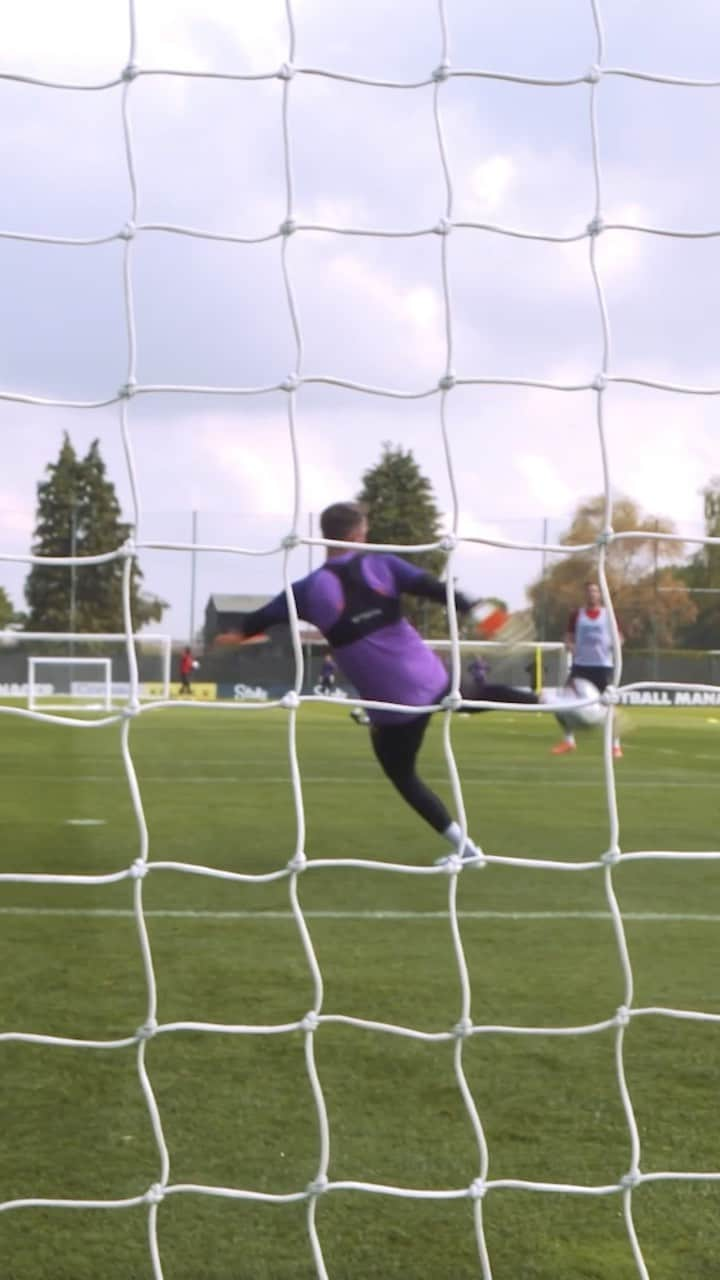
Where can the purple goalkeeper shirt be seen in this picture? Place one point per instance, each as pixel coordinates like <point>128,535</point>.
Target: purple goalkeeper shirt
<point>392,664</point>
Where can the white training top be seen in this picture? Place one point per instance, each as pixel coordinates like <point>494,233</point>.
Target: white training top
<point>590,629</point>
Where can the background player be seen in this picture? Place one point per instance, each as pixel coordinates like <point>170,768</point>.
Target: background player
<point>187,666</point>
<point>326,683</point>
<point>354,599</point>
<point>589,640</point>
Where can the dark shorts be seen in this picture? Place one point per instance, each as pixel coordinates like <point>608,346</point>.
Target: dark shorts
<point>599,676</point>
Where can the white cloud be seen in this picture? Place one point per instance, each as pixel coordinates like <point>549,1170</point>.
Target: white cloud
<point>544,481</point>
<point>413,313</point>
<point>490,181</point>
<point>89,38</point>
<point>16,520</point>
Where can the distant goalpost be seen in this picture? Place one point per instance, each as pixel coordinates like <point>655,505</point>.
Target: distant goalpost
<point>461,1024</point>
<point>98,694</point>
<point>87,695</point>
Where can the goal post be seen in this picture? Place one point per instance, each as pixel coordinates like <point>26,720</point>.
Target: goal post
<point>153,652</point>
<point>77,693</point>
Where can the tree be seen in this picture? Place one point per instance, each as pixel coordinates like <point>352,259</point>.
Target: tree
<point>402,509</point>
<point>648,592</point>
<point>78,513</point>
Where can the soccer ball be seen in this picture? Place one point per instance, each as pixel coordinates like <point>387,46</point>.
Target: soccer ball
<point>196,664</point>
<point>580,717</point>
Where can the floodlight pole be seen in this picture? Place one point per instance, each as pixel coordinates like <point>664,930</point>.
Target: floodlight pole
<point>193,577</point>
<point>543,579</point>
<point>73,571</point>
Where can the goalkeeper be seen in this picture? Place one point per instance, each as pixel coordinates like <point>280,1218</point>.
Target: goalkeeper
<point>354,599</point>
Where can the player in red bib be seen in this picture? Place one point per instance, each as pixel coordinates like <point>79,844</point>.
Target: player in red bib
<point>187,665</point>
<point>589,640</point>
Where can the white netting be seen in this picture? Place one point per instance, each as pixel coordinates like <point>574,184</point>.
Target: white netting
<point>460,1026</point>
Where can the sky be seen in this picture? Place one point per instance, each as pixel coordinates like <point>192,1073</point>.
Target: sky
<point>207,154</point>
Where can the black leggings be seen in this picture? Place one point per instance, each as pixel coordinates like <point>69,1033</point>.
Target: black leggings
<point>397,745</point>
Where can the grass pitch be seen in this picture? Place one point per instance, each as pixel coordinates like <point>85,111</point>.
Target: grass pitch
<point>238,1111</point>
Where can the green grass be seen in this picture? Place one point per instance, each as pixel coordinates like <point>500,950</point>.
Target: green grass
<point>238,1111</point>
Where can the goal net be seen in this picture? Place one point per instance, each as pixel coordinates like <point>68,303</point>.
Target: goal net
<point>466,1020</point>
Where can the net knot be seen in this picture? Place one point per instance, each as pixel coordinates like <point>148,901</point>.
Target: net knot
<point>128,231</point>
<point>290,542</point>
<point>310,1022</point>
<point>462,1029</point>
<point>593,74</point>
<point>595,226</point>
<point>477,1189</point>
<point>449,542</point>
<point>443,227</point>
<point>622,1016</point>
<point>603,539</point>
<point>447,382</point>
<point>610,857</point>
<point>147,1030</point>
<point>630,1180</point>
<point>288,226</point>
<point>599,382</point>
<point>128,389</point>
<point>290,700</point>
<point>451,702</point>
<point>155,1194</point>
<point>291,383</point>
<point>129,72</point>
<point>298,862</point>
<point>452,864</point>
<point>139,869</point>
<point>286,72</point>
<point>318,1185</point>
<point>441,72</point>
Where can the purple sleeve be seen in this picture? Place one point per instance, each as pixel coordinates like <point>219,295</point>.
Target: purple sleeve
<point>272,613</point>
<point>318,599</point>
<point>391,574</point>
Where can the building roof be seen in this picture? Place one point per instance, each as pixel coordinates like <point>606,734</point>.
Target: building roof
<point>223,603</point>
<point>236,603</point>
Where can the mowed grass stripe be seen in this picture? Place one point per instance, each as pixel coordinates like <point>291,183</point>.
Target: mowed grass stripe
<point>121,913</point>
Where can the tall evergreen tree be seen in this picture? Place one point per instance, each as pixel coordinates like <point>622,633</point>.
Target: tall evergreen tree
<point>402,509</point>
<point>47,587</point>
<point>78,513</point>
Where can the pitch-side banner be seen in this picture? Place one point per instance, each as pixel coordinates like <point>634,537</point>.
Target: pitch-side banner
<point>660,697</point>
<point>201,691</point>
